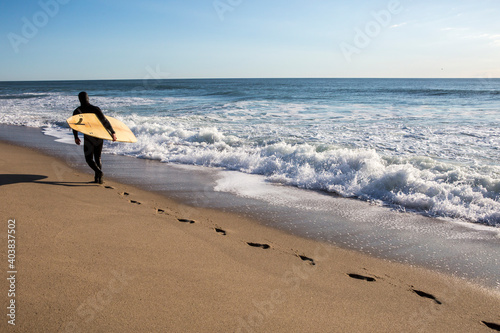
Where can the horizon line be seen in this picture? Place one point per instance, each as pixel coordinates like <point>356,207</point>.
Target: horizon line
<point>259,78</point>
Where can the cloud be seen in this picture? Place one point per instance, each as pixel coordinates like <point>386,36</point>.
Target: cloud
<point>488,36</point>
<point>496,42</point>
<point>465,33</point>
<point>493,38</point>
<point>454,29</point>
<point>398,25</point>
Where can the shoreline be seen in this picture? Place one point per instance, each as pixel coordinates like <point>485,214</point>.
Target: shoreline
<point>119,258</point>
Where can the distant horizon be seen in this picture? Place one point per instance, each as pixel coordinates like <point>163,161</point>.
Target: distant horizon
<point>264,78</point>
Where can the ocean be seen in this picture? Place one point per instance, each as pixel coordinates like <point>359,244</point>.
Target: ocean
<point>428,146</point>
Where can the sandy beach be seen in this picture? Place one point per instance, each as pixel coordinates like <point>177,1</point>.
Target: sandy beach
<point>115,258</point>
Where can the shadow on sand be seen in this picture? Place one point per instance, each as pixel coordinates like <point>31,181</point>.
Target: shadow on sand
<point>6,179</point>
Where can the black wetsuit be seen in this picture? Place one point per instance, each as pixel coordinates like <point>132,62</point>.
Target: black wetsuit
<point>92,147</point>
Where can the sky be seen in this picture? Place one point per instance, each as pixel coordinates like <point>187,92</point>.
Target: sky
<point>155,39</point>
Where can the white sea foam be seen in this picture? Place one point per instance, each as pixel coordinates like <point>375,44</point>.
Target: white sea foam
<point>61,135</point>
<point>411,183</point>
<point>38,110</point>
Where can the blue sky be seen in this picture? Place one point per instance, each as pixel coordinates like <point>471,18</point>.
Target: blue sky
<point>124,39</point>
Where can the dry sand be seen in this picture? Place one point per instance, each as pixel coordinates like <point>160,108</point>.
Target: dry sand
<point>114,258</point>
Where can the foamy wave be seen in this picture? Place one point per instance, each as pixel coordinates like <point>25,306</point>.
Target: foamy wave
<point>419,184</point>
<point>39,110</point>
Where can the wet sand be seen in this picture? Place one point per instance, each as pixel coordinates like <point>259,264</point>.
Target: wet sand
<point>115,258</point>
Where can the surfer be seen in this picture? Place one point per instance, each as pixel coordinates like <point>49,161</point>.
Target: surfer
<point>92,147</point>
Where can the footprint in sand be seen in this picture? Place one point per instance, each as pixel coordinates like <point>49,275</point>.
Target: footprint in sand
<point>186,221</point>
<point>310,260</point>
<point>493,326</point>
<point>125,194</point>
<point>362,277</point>
<point>135,202</point>
<point>426,295</point>
<point>264,246</point>
<point>221,231</point>
<point>109,187</point>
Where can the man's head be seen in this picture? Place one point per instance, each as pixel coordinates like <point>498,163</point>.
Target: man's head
<point>84,98</point>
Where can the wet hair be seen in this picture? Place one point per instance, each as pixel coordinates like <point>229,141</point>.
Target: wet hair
<point>84,98</point>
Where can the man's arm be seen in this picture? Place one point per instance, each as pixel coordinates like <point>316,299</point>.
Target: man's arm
<point>75,133</point>
<point>105,122</point>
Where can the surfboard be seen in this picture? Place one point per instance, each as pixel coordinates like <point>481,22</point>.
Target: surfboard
<point>89,124</point>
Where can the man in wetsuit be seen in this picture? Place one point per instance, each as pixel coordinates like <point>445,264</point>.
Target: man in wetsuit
<point>92,147</point>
